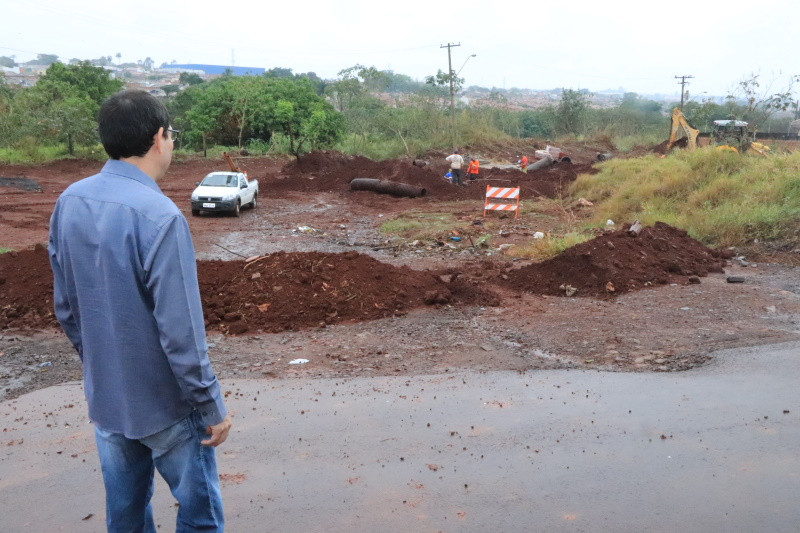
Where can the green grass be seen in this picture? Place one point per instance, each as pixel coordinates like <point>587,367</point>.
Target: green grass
<point>32,153</point>
<point>415,225</point>
<point>721,198</point>
<point>548,246</point>
<point>626,143</point>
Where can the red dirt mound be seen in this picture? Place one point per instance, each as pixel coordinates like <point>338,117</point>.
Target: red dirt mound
<point>293,291</point>
<point>616,263</point>
<point>274,293</point>
<point>290,291</point>
<point>26,290</point>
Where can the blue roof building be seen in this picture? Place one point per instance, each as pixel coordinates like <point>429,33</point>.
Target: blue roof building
<point>215,69</point>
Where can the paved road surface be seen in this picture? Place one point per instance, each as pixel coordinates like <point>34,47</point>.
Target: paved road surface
<point>712,449</point>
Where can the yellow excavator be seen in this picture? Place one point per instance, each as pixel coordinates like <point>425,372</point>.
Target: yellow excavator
<point>727,135</point>
<point>679,123</point>
<point>733,135</point>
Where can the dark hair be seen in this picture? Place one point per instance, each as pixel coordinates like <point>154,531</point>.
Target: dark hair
<point>127,122</point>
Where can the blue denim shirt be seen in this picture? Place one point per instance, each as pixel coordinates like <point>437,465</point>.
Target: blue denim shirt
<point>126,295</point>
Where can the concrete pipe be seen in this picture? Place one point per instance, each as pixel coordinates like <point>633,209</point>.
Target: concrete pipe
<point>540,164</point>
<point>604,157</point>
<point>387,187</point>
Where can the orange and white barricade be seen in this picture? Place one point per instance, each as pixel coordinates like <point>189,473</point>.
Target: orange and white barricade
<point>502,199</point>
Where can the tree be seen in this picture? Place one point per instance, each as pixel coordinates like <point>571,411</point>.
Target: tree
<point>355,82</point>
<point>44,59</point>
<point>534,124</point>
<point>189,78</point>
<point>294,109</point>
<point>760,104</point>
<point>279,72</point>
<point>55,112</point>
<point>94,82</point>
<point>234,109</point>
<point>570,114</point>
<point>401,83</point>
<point>170,89</point>
<point>7,62</point>
<point>63,104</point>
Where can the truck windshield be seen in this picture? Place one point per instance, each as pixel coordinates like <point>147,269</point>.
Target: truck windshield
<point>220,180</point>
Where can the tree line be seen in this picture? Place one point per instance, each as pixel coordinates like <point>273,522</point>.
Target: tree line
<point>364,110</point>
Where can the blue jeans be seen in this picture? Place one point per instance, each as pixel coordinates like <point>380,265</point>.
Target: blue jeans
<point>188,467</point>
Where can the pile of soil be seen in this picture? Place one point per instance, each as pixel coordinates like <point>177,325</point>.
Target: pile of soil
<point>620,261</point>
<point>333,171</point>
<point>660,148</point>
<point>293,291</point>
<point>26,290</point>
<point>277,292</point>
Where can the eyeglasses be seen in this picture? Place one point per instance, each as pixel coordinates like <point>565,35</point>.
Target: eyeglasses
<point>174,133</point>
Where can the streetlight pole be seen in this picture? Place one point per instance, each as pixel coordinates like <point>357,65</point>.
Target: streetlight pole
<point>465,64</point>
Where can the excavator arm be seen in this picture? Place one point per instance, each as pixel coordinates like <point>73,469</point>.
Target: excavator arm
<point>679,123</point>
<point>231,164</point>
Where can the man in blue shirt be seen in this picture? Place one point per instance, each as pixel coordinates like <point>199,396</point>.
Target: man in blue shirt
<point>126,295</point>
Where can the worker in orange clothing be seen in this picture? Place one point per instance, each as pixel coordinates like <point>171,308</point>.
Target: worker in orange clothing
<point>473,168</point>
<point>523,163</point>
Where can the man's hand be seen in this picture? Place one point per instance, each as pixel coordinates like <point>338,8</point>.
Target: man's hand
<point>218,433</point>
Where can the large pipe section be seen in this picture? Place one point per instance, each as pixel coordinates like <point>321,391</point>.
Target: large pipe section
<point>387,187</point>
<point>540,164</point>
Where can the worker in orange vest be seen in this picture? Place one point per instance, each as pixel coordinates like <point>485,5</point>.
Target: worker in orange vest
<point>473,168</point>
<point>523,163</point>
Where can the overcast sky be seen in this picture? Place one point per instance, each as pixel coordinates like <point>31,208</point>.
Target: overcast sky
<point>578,44</point>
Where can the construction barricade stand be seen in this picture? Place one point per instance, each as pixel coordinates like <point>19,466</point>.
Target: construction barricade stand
<point>502,199</point>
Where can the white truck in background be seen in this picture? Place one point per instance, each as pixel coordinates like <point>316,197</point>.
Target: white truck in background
<point>225,191</point>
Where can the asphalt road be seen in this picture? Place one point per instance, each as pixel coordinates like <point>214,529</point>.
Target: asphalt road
<point>711,449</point>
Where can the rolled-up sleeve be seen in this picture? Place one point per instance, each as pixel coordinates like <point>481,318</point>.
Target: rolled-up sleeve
<point>171,280</point>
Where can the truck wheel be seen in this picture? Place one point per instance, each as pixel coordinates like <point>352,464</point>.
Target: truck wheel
<point>237,208</point>
<point>195,212</point>
<point>254,203</point>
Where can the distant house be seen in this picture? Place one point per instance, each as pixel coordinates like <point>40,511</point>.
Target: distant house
<point>212,70</point>
<point>35,70</point>
<point>23,80</point>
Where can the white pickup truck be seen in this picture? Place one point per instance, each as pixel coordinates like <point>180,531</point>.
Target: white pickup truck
<point>225,191</point>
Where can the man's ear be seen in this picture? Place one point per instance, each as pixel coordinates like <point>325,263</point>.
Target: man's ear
<point>158,140</point>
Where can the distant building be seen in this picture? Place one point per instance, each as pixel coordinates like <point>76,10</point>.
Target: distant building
<point>34,70</point>
<point>22,80</point>
<point>211,70</point>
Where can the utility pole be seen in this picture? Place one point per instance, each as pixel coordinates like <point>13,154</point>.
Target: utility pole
<point>450,75</point>
<point>683,83</point>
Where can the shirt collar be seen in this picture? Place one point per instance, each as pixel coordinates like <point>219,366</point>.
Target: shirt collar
<point>130,171</point>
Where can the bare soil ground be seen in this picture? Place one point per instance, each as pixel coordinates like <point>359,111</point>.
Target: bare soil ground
<point>307,275</point>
